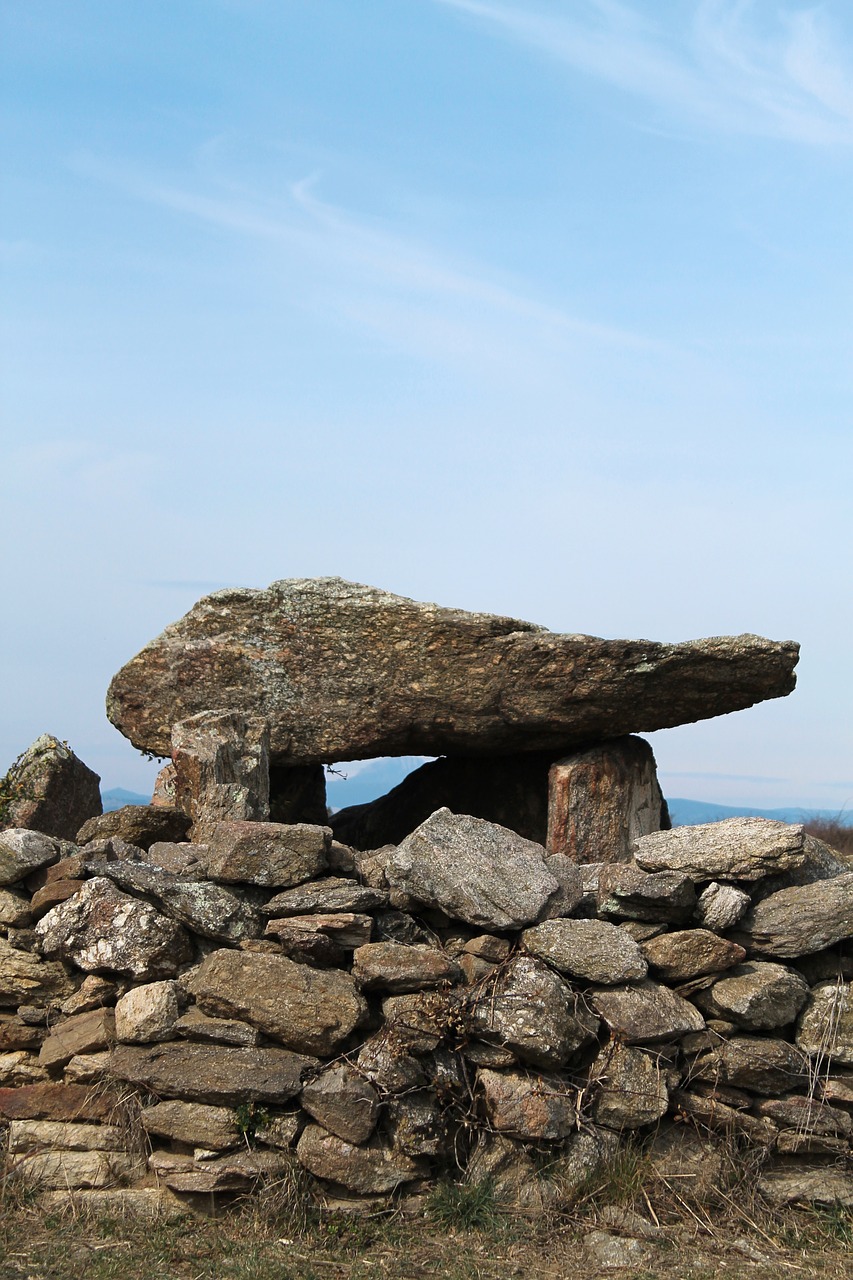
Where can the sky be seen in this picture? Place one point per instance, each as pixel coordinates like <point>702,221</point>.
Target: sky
<point>543,309</point>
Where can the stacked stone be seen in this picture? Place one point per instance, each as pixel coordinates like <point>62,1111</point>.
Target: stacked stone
<point>464,998</point>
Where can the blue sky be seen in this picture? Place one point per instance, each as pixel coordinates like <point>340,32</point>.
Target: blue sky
<point>538,308</point>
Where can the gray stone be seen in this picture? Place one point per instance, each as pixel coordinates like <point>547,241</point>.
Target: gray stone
<point>760,996</point>
<point>734,849</point>
<point>416,1125</point>
<point>344,672</point>
<point>690,953</point>
<point>388,1061</point>
<point>807,1186</point>
<point>94,992</point>
<point>530,1010</point>
<point>825,1031</point>
<point>148,1013</point>
<point>15,909</point>
<point>207,909</point>
<point>683,1159</point>
<point>570,893</point>
<point>216,1074</point>
<point>600,801</point>
<point>392,966</point>
<point>137,824</point>
<point>325,896</point>
<point>236,1171</point>
<point>222,771</point>
<point>102,929</point>
<point>632,1089</point>
<point>26,979</point>
<point>184,859</point>
<point>645,1012</point>
<point>758,1063</point>
<point>154,1203</point>
<point>800,920</point>
<point>23,851</point>
<point>51,790</point>
<point>537,1108</point>
<point>710,1112</point>
<point>21,1068</point>
<point>271,854</point>
<point>308,1010</point>
<point>474,871</point>
<point>372,1167</point>
<point>346,929</point>
<point>627,893</point>
<point>35,1135</point>
<point>73,1170</point>
<point>507,1167</point>
<point>82,1033</point>
<point>195,1025</point>
<point>721,905</point>
<point>614,1252</point>
<point>343,1102</point>
<point>808,1116</point>
<point>193,1123</point>
<point>590,949</point>
<point>511,791</point>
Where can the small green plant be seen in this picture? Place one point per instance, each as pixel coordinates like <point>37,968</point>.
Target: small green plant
<point>249,1118</point>
<point>470,1206</point>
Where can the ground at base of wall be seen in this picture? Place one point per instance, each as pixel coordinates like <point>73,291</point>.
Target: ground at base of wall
<point>451,1239</point>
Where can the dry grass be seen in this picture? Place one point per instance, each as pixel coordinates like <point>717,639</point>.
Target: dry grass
<point>282,1235</point>
<point>836,832</point>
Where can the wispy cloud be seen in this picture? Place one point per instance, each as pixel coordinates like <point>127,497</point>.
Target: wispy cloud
<point>373,276</point>
<point>722,63</point>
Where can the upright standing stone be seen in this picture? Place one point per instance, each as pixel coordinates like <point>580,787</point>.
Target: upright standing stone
<point>222,770</point>
<point>601,800</point>
<point>49,789</point>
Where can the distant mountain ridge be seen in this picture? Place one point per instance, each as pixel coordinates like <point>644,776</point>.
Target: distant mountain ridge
<point>370,783</point>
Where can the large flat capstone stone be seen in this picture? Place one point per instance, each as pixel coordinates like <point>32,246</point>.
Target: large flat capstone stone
<point>342,671</point>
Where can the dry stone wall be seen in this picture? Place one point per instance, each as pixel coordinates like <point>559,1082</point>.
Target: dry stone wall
<point>192,1017</point>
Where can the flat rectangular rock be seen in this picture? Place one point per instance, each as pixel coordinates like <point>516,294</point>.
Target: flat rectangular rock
<point>734,849</point>
<point>215,1074</point>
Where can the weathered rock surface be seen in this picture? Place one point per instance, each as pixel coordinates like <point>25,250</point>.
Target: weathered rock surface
<point>102,928</point>
<point>590,949</point>
<point>808,1186</point>
<point>688,953</point>
<point>507,1167</point>
<point>222,769</point>
<point>15,909</point>
<point>721,905</point>
<point>373,1167</point>
<point>826,1025</point>
<point>645,1012</point>
<point>52,790</point>
<point>801,919</point>
<point>391,966</point>
<point>57,1102</point>
<point>343,1102</point>
<point>758,1063</point>
<point>137,824</point>
<point>215,1074</point>
<point>531,1010</point>
<point>82,1033</point>
<point>332,893</point>
<point>207,909</point>
<point>600,801</point>
<point>271,854</point>
<point>760,996</point>
<point>195,1025</point>
<point>33,1135</point>
<point>735,849</point>
<point>627,893</point>
<point>540,1109</point>
<point>632,1088</point>
<point>74,1170</point>
<point>511,791</point>
<point>26,979</point>
<point>344,672</point>
<point>148,1013</point>
<point>474,871</point>
<point>345,929</point>
<point>309,1010</point>
<point>193,1123</point>
<point>23,851</point>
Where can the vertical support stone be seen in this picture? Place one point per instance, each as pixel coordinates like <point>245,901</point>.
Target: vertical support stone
<point>222,771</point>
<point>601,800</point>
